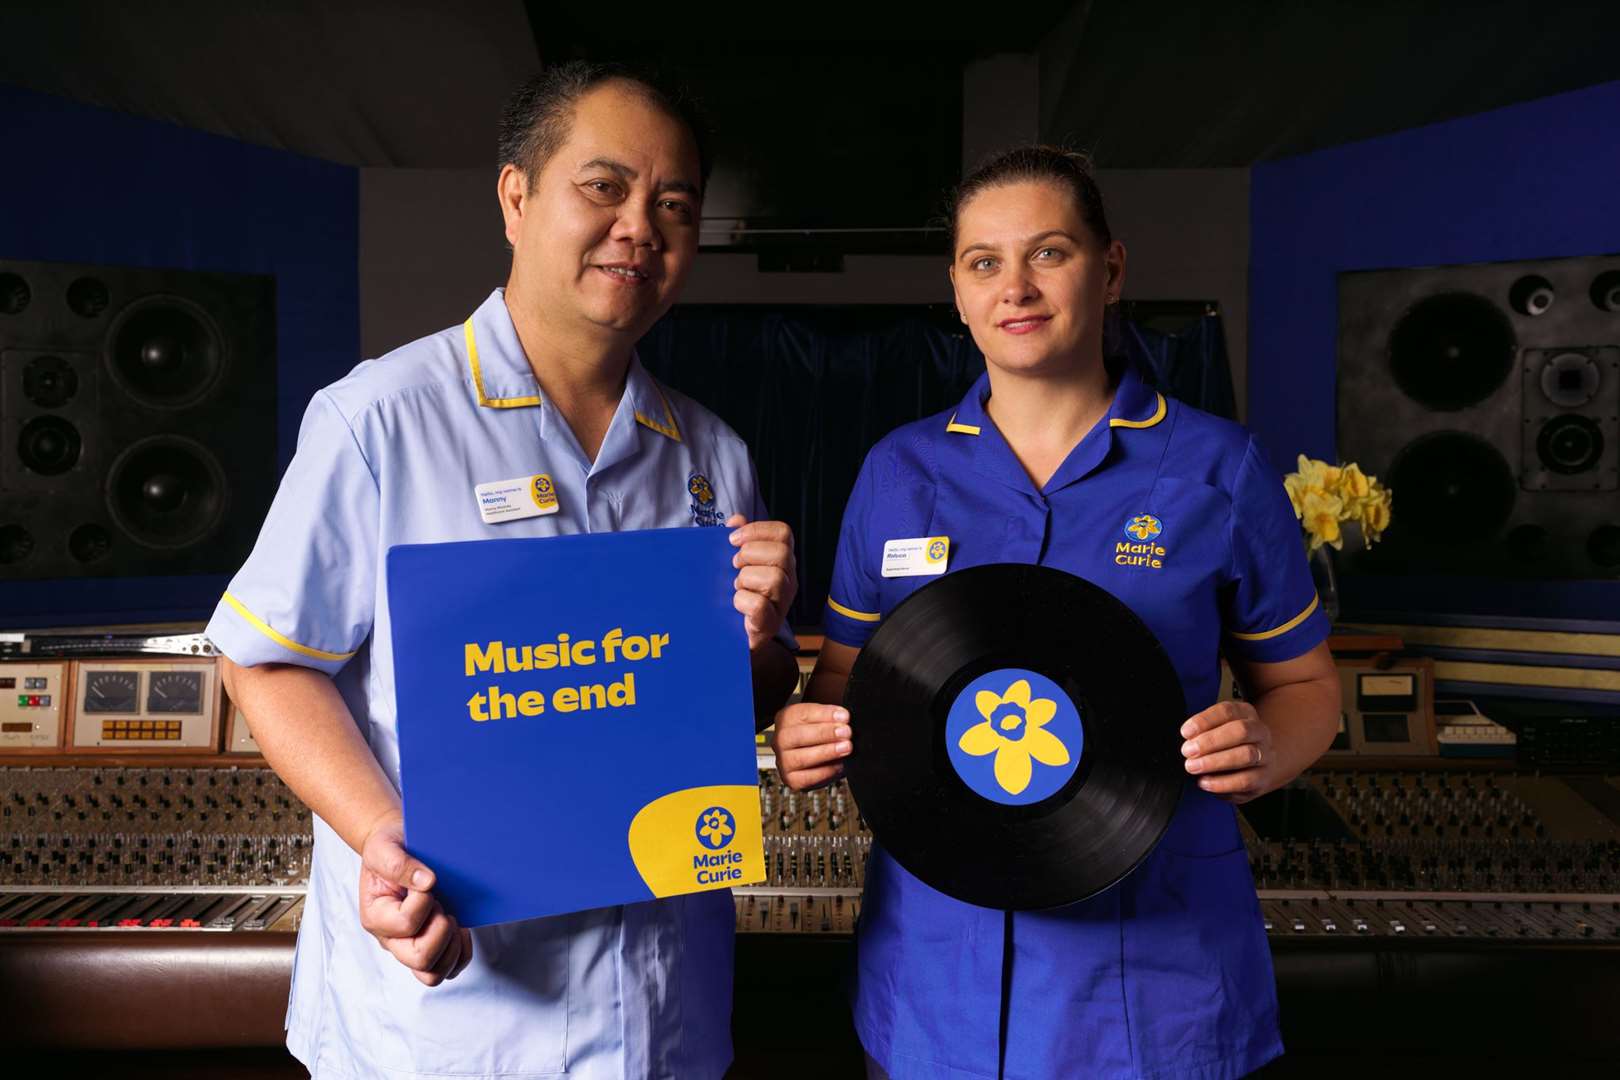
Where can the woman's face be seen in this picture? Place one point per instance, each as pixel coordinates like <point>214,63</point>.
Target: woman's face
<point>1030,278</point>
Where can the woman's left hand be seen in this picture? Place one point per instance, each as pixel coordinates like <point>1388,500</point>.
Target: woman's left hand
<point>1229,749</point>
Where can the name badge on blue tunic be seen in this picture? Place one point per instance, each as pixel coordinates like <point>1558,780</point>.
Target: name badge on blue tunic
<point>924,556</point>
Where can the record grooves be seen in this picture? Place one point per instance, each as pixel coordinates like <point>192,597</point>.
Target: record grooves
<point>1018,740</point>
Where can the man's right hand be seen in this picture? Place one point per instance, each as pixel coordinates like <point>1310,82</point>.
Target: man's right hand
<point>811,743</point>
<point>398,909</point>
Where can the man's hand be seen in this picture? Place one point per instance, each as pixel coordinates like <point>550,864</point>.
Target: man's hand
<point>767,580</point>
<point>1229,749</point>
<point>811,743</point>
<point>398,909</point>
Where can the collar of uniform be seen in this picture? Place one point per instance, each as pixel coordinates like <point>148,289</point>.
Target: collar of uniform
<point>496,364</point>
<point>1135,407</point>
<point>502,378</point>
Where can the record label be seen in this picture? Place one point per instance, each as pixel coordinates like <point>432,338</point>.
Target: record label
<point>1014,737</point>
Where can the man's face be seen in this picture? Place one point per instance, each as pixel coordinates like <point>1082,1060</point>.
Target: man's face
<point>610,226</point>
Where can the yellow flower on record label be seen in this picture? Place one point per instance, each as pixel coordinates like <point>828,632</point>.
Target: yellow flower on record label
<point>1014,730</point>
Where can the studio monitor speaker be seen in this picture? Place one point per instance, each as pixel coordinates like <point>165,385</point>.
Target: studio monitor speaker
<point>137,419</point>
<point>1488,398</point>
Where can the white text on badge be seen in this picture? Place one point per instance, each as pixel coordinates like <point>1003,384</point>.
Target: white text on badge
<point>512,500</point>
<point>923,556</point>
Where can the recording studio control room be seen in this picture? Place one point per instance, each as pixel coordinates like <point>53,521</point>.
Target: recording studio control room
<point>1077,540</point>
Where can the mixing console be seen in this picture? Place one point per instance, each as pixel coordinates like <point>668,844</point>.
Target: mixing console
<point>1342,852</point>
<point>114,827</point>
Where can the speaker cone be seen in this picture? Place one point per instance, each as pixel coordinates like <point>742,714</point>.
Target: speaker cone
<point>1606,290</point>
<point>16,544</point>
<point>1451,351</point>
<point>166,351</point>
<point>14,294</point>
<point>1454,488</point>
<point>1569,444</point>
<point>49,382</point>
<point>166,492</point>
<point>90,543</point>
<point>88,297</point>
<point>1570,380</point>
<point>49,445</point>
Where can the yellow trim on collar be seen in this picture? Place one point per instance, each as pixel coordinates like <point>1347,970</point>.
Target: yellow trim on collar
<point>1285,627</point>
<point>1149,422</point>
<point>851,613</point>
<point>280,639</point>
<point>478,378</point>
<point>960,429</point>
<point>668,427</point>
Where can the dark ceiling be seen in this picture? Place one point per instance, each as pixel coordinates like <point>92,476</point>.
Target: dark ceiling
<point>417,83</point>
<point>1180,85</point>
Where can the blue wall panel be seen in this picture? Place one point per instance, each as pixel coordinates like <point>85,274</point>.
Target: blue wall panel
<point>1538,180</point>
<point>82,184</point>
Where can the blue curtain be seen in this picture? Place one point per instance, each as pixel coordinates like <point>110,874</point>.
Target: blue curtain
<point>812,389</point>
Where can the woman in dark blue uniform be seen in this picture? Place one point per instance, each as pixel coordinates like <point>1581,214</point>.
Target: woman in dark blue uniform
<point>1058,458</point>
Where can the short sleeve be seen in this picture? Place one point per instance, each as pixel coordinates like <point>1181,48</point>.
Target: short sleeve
<point>1270,610</point>
<point>306,594</point>
<point>854,606</point>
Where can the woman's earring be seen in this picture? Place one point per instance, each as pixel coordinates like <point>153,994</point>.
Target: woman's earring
<point>961,316</point>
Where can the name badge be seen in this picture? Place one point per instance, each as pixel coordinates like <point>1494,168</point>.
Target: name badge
<point>924,556</point>
<point>513,500</point>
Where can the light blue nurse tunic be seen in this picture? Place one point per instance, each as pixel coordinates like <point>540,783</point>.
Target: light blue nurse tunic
<point>391,455</point>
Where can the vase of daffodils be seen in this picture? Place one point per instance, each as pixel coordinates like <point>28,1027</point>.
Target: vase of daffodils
<point>1328,499</point>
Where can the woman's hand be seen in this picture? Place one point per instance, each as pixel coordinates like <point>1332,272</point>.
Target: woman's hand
<point>1229,749</point>
<point>767,579</point>
<point>811,743</point>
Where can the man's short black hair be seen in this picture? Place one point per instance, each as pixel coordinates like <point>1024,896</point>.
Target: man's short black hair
<point>539,114</point>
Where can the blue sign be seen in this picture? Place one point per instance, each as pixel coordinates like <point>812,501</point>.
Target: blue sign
<point>568,708</point>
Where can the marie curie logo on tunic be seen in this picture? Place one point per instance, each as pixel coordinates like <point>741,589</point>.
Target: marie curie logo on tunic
<point>715,828</point>
<point>543,491</point>
<point>1014,736</point>
<point>702,492</point>
<point>1141,547</point>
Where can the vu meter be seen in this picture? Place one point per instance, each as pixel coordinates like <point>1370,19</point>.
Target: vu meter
<point>175,692</point>
<point>112,691</point>
<point>140,705</point>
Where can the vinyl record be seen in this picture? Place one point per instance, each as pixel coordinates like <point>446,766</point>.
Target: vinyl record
<point>1018,737</point>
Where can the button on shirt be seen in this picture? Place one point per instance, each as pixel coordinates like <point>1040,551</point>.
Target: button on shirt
<point>1167,974</point>
<point>391,455</point>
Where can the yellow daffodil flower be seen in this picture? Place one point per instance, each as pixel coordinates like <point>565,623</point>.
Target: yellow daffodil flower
<point>1322,519</point>
<point>716,827</point>
<point>1014,730</point>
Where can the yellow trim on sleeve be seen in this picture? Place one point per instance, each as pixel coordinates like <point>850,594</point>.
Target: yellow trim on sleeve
<point>280,639</point>
<point>851,613</point>
<point>1149,422</point>
<point>478,378</point>
<point>1285,627</point>
<point>960,429</point>
<point>668,426</point>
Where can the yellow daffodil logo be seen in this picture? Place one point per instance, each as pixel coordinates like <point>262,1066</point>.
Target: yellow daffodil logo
<point>698,485</point>
<point>936,551</point>
<point>1014,729</point>
<point>542,485</point>
<point>715,827</point>
<point>1144,527</point>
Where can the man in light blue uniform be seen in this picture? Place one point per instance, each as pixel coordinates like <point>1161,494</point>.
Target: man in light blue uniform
<point>600,191</point>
